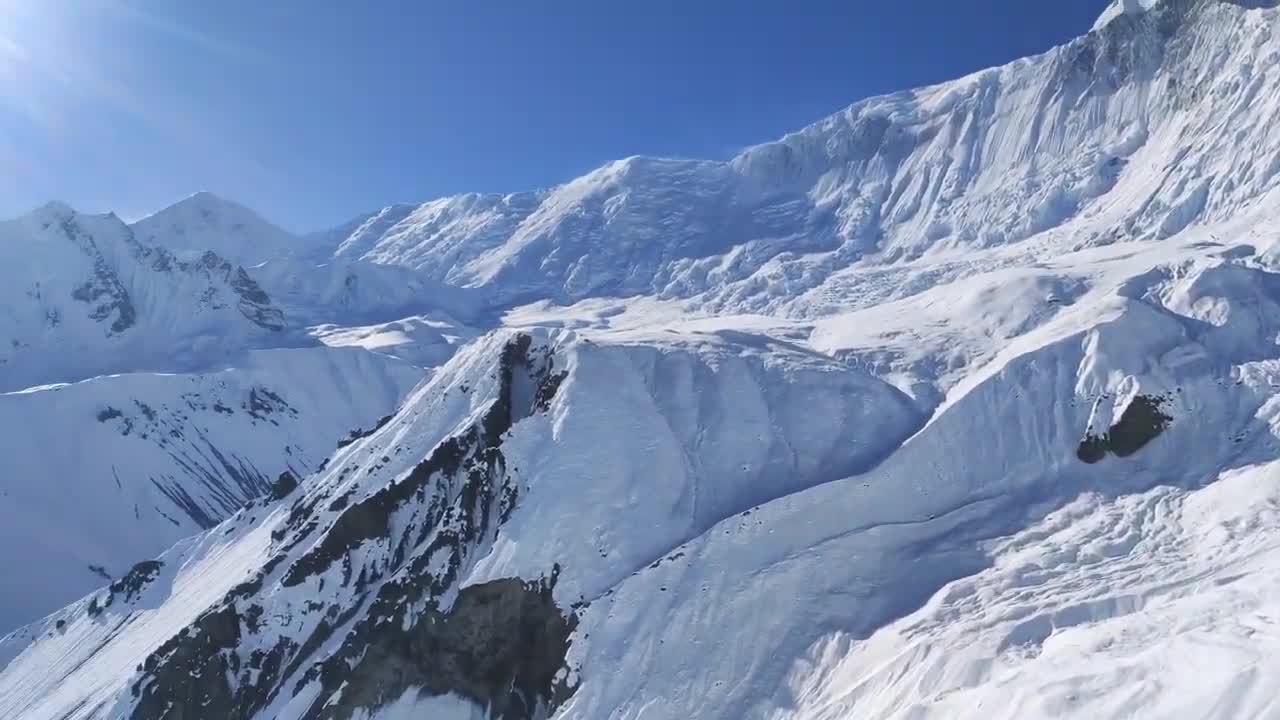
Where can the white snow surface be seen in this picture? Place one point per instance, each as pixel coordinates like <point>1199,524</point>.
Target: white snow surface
<point>817,452</point>
<point>1120,8</point>
<point>110,471</point>
<point>204,222</point>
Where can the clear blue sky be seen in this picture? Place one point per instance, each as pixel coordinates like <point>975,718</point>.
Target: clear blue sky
<point>313,111</point>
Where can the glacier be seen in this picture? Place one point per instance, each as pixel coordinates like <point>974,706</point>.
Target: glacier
<point>961,402</point>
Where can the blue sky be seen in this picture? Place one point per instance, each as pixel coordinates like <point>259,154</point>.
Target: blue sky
<point>315,111</point>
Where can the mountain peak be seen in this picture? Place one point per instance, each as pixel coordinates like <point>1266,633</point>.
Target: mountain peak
<point>55,208</point>
<point>1123,7</point>
<point>205,203</point>
<point>205,221</point>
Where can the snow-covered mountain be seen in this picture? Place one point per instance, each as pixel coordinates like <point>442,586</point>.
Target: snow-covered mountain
<point>85,297</point>
<point>106,471</point>
<point>1139,128</point>
<point>962,402</point>
<point>205,222</point>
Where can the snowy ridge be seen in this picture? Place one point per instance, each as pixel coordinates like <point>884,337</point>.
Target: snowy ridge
<point>1120,8</point>
<point>1136,130</point>
<point>697,489</point>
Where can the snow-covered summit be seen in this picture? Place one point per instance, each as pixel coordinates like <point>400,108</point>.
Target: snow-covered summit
<point>1123,7</point>
<point>1160,107</point>
<point>205,222</point>
<point>85,297</point>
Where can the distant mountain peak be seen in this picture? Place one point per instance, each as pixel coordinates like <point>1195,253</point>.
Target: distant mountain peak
<point>208,207</point>
<point>205,221</point>
<point>207,201</point>
<point>55,208</point>
<point>1123,7</point>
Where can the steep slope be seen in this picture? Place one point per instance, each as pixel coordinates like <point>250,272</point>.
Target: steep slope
<point>86,298</point>
<point>458,490</point>
<point>1155,121</point>
<point>113,470</point>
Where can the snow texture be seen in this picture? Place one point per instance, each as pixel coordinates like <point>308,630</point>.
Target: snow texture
<point>106,472</point>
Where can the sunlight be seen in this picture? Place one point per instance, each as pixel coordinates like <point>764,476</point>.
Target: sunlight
<point>16,63</point>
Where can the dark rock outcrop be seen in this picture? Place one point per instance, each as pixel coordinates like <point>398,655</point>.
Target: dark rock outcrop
<point>501,644</point>
<point>283,485</point>
<point>128,588</point>
<point>1142,421</point>
<point>359,434</point>
<point>103,293</point>
<point>399,620</point>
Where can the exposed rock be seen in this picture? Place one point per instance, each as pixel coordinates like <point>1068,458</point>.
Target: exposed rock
<point>107,296</point>
<point>1142,421</point>
<point>128,588</point>
<point>502,644</point>
<point>358,434</point>
<point>263,403</point>
<point>283,485</point>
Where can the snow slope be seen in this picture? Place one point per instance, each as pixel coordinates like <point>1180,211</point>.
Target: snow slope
<point>962,402</point>
<point>357,292</point>
<point>1166,610</point>
<point>710,454</point>
<point>113,470</point>
<point>664,443</point>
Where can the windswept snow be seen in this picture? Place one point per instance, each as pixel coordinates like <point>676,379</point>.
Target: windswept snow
<point>1138,130</point>
<point>1157,605</point>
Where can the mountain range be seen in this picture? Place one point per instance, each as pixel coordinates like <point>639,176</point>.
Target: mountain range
<point>961,402</point>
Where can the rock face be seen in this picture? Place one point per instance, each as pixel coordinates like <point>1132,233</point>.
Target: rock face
<point>502,645</point>
<point>398,621</point>
<point>127,588</point>
<point>1142,421</point>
